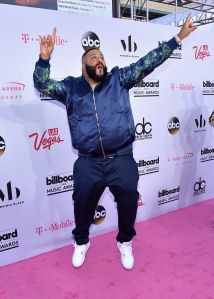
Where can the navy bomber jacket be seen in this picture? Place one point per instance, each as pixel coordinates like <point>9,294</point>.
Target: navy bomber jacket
<point>101,120</point>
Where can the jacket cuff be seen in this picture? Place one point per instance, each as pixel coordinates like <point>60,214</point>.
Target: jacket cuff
<point>43,63</point>
<point>172,43</point>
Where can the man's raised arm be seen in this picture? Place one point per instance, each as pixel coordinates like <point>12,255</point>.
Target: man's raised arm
<point>131,75</point>
<point>42,81</point>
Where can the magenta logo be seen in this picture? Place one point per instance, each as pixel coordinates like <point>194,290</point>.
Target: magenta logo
<point>28,38</point>
<point>201,52</point>
<point>47,139</point>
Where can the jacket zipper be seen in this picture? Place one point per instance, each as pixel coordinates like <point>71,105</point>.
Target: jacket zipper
<point>98,125</point>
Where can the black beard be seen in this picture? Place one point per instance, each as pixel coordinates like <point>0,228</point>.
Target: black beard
<point>91,72</point>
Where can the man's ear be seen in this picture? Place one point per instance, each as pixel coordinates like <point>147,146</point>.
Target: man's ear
<point>83,68</point>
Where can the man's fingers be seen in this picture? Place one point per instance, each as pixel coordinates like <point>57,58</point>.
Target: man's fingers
<point>54,34</point>
<point>188,18</point>
<point>43,40</point>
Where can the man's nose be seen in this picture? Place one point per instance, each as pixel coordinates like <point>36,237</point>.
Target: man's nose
<point>99,60</point>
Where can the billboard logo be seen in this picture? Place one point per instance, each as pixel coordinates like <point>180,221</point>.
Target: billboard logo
<point>148,165</point>
<point>207,154</point>
<point>168,195</point>
<point>208,88</point>
<point>146,88</point>
<point>59,183</point>
<point>8,239</point>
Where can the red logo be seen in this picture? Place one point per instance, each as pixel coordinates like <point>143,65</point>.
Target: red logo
<point>140,203</point>
<point>55,226</point>
<point>201,52</point>
<point>12,91</point>
<point>48,138</point>
<point>186,158</point>
<point>27,38</point>
<point>182,86</point>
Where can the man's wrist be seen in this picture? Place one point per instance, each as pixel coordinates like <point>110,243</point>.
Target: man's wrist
<point>44,57</point>
<point>178,39</point>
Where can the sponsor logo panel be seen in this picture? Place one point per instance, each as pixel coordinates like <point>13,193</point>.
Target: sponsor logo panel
<point>147,88</point>
<point>9,196</point>
<point>9,239</point>
<point>47,139</point>
<point>99,215</point>
<point>201,52</point>
<point>129,47</point>
<point>143,130</point>
<point>54,227</point>
<point>2,146</point>
<point>199,187</point>
<point>168,195</point>
<point>148,165</point>
<point>207,154</point>
<point>173,125</point>
<point>90,40</point>
<point>59,183</point>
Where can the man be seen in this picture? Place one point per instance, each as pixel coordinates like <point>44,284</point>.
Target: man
<point>103,131</point>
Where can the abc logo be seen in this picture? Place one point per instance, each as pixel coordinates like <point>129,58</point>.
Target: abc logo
<point>200,186</point>
<point>90,40</point>
<point>2,146</point>
<point>99,215</point>
<point>173,125</point>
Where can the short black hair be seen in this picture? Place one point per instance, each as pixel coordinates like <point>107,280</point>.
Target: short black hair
<point>88,50</point>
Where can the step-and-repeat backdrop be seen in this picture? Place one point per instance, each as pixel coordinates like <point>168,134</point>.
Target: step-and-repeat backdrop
<point>174,146</point>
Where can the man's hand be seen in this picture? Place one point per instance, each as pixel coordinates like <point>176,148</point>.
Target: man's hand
<point>47,45</point>
<point>187,28</point>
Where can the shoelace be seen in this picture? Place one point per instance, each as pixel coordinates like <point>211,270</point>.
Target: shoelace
<point>79,248</point>
<point>126,250</point>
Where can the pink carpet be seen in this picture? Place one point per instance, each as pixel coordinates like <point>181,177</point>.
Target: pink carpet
<point>174,257</point>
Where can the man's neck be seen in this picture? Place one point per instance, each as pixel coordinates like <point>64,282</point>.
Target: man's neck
<point>92,83</point>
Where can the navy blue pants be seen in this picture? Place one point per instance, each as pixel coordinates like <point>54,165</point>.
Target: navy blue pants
<point>91,177</point>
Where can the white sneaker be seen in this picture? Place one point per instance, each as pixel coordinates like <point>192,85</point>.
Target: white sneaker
<point>127,258</point>
<point>79,254</point>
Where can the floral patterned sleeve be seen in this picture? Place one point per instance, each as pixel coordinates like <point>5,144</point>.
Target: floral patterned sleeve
<point>49,87</point>
<point>133,73</point>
